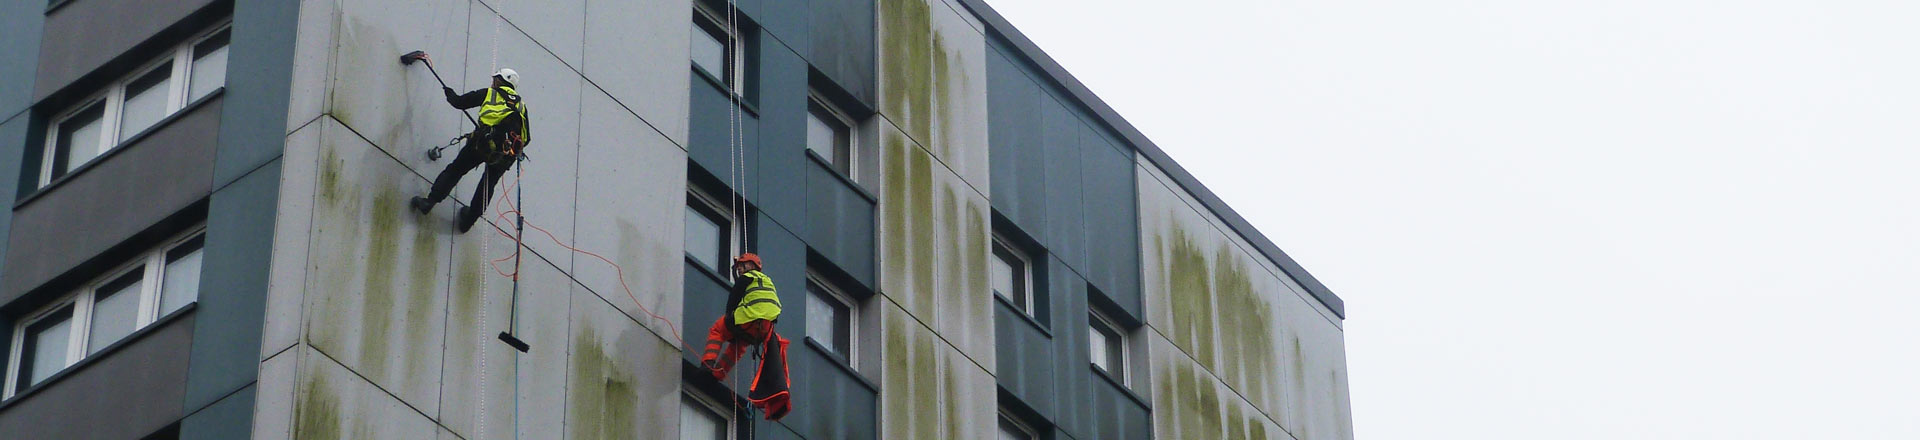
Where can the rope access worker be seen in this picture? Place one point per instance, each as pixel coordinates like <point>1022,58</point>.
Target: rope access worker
<point>500,139</point>
<point>752,308</point>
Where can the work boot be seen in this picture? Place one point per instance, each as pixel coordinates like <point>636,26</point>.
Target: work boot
<point>421,205</point>
<point>467,218</point>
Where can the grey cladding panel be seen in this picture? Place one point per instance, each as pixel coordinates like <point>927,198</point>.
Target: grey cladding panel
<point>841,44</point>
<point>259,78</point>
<point>233,286</point>
<point>1113,262</point>
<point>113,199</point>
<point>1065,228</point>
<point>781,191</point>
<point>20,27</point>
<point>786,20</point>
<point>1116,415</point>
<point>709,128</point>
<point>229,418</point>
<point>1072,377</point>
<point>1016,159</point>
<point>828,401</point>
<point>705,296</point>
<point>13,135</point>
<point>841,223</point>
<point>65,58</point>
<point>1023,360</point>
<point>129,392</point>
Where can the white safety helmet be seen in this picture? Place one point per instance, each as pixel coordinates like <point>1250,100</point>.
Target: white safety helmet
<point>511,76</point>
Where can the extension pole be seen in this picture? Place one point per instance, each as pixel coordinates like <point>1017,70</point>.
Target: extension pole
<point>519,231</point>
<point>421,56</point>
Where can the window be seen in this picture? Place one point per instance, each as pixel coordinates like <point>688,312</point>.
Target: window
<point>1012,279</point>
<point>116,307</point>
<point>699,421</point>
<point>134,104</point>
<point>1108,347</point>
<point>79,139</point>
<point>1011,429</point>
<point>830,318</point>
<point>44,347</point>
<point>707,235</point>
<point>209,66</point>
<point>829,135</point>
<point>103,312</point>
<point>146,101</point>
<point>182,279</point>
<point>719,50</point>
<point>709,49</point>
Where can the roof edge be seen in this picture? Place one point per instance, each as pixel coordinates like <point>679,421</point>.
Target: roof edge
<point>998,24</point>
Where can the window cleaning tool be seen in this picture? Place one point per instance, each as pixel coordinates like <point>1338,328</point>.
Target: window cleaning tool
<point>513,307</point>
<point>421,56</point>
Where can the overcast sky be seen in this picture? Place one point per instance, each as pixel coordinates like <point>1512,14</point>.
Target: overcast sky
<point>1672,219</point>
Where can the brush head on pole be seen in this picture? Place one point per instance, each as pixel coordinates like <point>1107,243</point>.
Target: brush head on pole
<point>410,57</point>
<point>514,342</point>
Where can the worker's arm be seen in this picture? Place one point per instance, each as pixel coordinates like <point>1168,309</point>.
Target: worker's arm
<point>739,292</point>
<point>470,100</point>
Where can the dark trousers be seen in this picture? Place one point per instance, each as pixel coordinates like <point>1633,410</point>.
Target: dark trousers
<point>471,155</point>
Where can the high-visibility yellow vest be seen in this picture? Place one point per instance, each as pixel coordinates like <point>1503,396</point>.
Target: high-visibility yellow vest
<point>761,302</point>
<point>501,102</point>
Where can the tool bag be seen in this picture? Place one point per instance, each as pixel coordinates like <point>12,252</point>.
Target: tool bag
<point>770,384</point>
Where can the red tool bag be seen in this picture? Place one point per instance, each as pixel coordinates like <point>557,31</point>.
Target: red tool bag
<point>769,391</point>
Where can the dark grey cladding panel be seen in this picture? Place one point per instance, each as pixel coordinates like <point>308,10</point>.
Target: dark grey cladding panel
<point>1051,71</point>
<point>259,81</point>
<point>763,429</point>
<point>786,20</point>
<point>1116,415</point>
<point>829,402</point>
<point>841,223</point>
<point>13,142</point>
<point>708,131</point>
<point>233,286</point>
<point>1016,160</point>
<point>127,393</point>
<point>781,153</point>
<point>20,29</point>
<point>1112,232</point>
<point>1023,360</point>
<point>704,297</point>
<point>1072,380</point>
<point>841,44</point>
<point>785,257</point>
<point>229,418</point>
<point>85,35</point>
<point>114,198</point>
<point>1065,231</point>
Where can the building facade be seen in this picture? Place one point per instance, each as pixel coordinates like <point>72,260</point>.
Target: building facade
<point>208,235</point>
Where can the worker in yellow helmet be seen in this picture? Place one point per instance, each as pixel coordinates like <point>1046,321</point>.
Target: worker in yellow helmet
<point>499,140</point>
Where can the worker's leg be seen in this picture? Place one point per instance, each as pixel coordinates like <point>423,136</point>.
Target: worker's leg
<point>482,194</point>
<point>755,332</point>
<point>470,156</point>
<point>716,336</point>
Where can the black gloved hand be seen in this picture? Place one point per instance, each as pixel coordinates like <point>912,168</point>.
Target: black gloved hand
<point>448,91</point>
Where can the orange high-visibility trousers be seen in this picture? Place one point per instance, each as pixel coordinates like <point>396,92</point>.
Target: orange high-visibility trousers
<point>718,362</point>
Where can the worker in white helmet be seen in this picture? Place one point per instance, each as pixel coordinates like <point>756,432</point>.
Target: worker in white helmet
<point>499,140</point>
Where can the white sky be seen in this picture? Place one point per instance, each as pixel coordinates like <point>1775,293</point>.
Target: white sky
<point>1672,219</point>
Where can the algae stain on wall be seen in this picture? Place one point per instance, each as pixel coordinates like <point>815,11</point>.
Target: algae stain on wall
<point>318,416</point>
<point>603,399</point>
<point>906,64</point>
